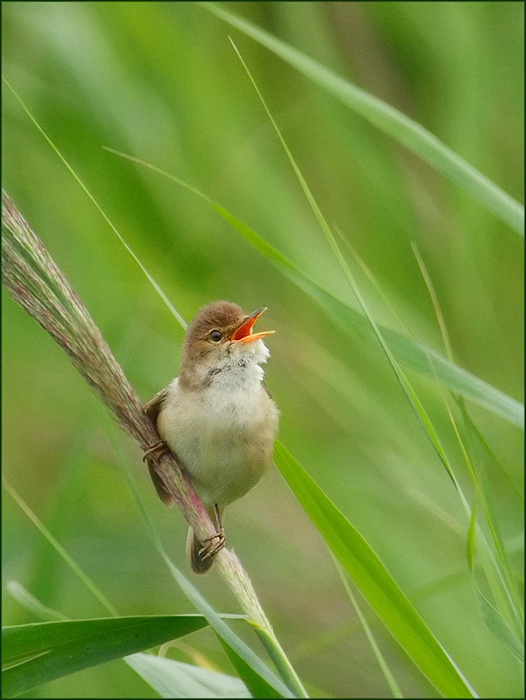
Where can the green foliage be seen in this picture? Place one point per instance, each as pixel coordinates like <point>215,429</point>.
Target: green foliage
<point>37,653</point>
<point>373,579</point>
<point>175,679</point>
<point>38,286</point>
<point>393,122</point>
<point>161,82</point>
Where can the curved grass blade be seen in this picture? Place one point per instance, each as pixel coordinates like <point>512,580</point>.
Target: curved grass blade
<point>175,679</point>
<point>169,678</point>
<point>495,621</point>
<point>499,627</point>
<point>374,581</point>
<point>257,685</point>
<point>149,277</point>
<point>37,653</point>
<point>382,663</point>
<point>83,577</point>
<point>32,604</point>
<point>404,130</point>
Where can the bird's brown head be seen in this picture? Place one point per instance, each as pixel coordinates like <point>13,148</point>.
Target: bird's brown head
<point>219,338</point>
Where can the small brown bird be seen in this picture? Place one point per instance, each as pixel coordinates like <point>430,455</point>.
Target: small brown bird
<point>217,417</point>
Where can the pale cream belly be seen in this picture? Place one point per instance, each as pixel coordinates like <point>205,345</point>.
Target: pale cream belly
<point>225,453</point>
<point>229,465</point>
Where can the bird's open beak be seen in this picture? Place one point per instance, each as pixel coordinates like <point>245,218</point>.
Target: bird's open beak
<point>244,334</point>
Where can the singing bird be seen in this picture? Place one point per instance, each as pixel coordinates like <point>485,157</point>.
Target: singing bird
<point>217,417</point>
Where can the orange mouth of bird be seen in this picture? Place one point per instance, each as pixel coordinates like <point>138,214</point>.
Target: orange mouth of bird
<point>244,334</point>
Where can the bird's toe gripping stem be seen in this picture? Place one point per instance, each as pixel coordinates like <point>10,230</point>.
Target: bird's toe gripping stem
<point>159,446</point>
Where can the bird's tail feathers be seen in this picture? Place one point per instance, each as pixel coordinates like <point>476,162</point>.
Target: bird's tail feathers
<point>199,563</point>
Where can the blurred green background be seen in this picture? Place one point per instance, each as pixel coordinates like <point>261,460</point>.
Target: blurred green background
<point>161,82</point>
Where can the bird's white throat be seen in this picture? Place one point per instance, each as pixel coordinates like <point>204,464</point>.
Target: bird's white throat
<point>238,369</point>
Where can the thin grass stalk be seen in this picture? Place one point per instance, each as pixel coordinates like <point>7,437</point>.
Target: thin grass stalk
<point>36,283</point>
<point>382,663</point>
<point>77,570</point>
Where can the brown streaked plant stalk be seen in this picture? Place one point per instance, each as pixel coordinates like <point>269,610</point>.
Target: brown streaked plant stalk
<point>36,283</point>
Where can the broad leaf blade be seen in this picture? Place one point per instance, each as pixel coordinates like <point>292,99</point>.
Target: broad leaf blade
<point>374,581</point>
<point>174,679</point>
<point>37,653</point>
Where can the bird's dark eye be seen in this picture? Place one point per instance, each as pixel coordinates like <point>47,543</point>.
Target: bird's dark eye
<point>216,336</point>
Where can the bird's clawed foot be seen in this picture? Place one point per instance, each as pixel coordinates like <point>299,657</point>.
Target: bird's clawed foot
<point>212,545</point>
<point>160,447</point>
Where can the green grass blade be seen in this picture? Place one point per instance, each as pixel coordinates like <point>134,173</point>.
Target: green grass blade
<point>257,686</point>
<point>374,581</point>
<point>493,618</point>
<point>511,601</point>
<point>253,671</point>
<point>175,679</point>
<point>84,578</point>
<point>169,678</point>
<point>38,653</point>
<point>382,663</point>
<point>494,561</point>
<point>506,622</point>
<point>390,120</point>
<point>496,623</point>
<point>31,603</point>
<point>470,542</point>
<point>415,355</point>
<point>72,172</point>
